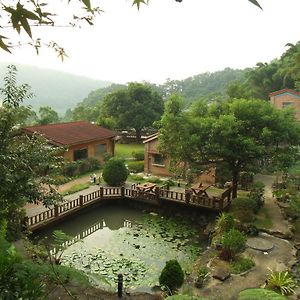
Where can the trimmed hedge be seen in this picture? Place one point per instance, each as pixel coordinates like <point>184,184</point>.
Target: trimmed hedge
<point>172,275</point>
<point>82,166</point>
<point>115,172</point>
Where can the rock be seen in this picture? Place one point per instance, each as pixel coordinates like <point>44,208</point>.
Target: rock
<point>221,274</point>
<point>259,243</point>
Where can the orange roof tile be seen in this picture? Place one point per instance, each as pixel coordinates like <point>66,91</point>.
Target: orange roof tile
<point>284,91</point>
<point>71,133</point>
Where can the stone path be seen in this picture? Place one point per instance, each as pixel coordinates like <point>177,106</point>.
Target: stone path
<point>280,225</point>
<point>281,257</point>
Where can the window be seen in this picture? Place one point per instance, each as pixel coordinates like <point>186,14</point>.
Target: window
<point>287,104</point>
<point>158,159</point>
<point>80,154</point>
<point>100,149</point>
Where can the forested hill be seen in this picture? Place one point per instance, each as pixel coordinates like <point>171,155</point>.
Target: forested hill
<point>203,85</point>
<point>54,88</point>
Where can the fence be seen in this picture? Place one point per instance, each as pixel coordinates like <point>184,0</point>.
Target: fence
<point>104,193</point>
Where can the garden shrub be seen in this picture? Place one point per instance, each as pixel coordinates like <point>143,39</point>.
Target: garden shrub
<point>138,155</point>
<point>257,194</point>
<point>244,208</point>
<point>260,294</point>
<point>135,166</point>
<point>70,169</point>
<point>115,172</point>
<point>233,242</point>
<point>93,163</point>
<point>172,275</point>
<point>82,166</point>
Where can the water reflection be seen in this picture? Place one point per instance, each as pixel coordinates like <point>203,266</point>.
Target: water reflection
<point>111,217</point>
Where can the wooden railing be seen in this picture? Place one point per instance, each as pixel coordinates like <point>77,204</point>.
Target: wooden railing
<point>187,198</point>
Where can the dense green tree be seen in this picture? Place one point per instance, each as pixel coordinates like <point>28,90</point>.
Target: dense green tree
<point>240,133</point>
<point>115,172</point>
<point>26,164</point>
<point>136,107</point>
<point>47,115</point>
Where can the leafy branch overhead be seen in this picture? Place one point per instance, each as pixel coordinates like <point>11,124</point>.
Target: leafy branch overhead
<point>24,15</point>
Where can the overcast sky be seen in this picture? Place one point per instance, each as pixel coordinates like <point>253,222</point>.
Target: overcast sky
<point>167,39</point>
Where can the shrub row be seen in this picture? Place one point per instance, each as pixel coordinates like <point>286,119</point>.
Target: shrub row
<point>82,166</point>
<point>135,166</point>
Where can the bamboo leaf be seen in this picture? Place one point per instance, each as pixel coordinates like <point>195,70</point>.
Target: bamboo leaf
<point>255,3</point>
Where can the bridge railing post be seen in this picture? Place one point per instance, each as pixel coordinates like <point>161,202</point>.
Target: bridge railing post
<point>123,191</point>
<point>187,196</point>
<point>80,200</point>
<point>157,193</point>
<point>56,213</point>
<point>101,192</point>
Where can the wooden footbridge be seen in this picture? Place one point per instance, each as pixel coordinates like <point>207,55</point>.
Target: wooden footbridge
<point>157,196</point>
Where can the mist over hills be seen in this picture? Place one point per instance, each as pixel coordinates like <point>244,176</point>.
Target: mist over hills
<point>53,88</point>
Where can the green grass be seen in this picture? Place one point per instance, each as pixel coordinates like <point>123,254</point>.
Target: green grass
<point>76,188</point>
<point>125,150</point>
<point>241,264</point>
<point>263,219</point>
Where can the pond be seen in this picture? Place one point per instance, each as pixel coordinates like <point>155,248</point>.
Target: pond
<point>121,239</point>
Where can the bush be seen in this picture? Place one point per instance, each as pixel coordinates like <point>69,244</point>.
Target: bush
<point>70,169</point>
<point>233,242</point>
<point>93,163</point>
<point>172,275</point>
<point>115,172</point>
<point>135,166</point>
<point>138,155</point>
<point>257,194</point>
<point>82,166</point>
<point>242,264</point>
<point>244,208</point>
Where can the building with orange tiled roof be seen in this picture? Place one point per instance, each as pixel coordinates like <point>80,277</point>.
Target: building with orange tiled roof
<point>81,139</point>
<point>286,98</point>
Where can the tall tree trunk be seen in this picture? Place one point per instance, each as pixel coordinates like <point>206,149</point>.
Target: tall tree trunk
<point>235,180</point>
<point>138,133</point>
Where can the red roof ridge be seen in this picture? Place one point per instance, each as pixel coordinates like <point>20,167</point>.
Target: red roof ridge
<point>285,90</point>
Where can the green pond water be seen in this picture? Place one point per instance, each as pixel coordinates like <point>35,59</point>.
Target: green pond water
<point>120,239</point>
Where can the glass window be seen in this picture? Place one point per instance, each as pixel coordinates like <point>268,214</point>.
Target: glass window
<point>100,149</point>
<point>287,104</point>
<point>80,154</point>
<point>158,159</point>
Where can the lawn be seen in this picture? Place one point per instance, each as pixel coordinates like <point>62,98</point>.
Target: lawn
<point>125,150</point>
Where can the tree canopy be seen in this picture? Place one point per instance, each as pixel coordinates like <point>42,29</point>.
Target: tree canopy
<point>137,106</point>
<point>241,133</point>
<point>26,164</point>
<point>47,115</point>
